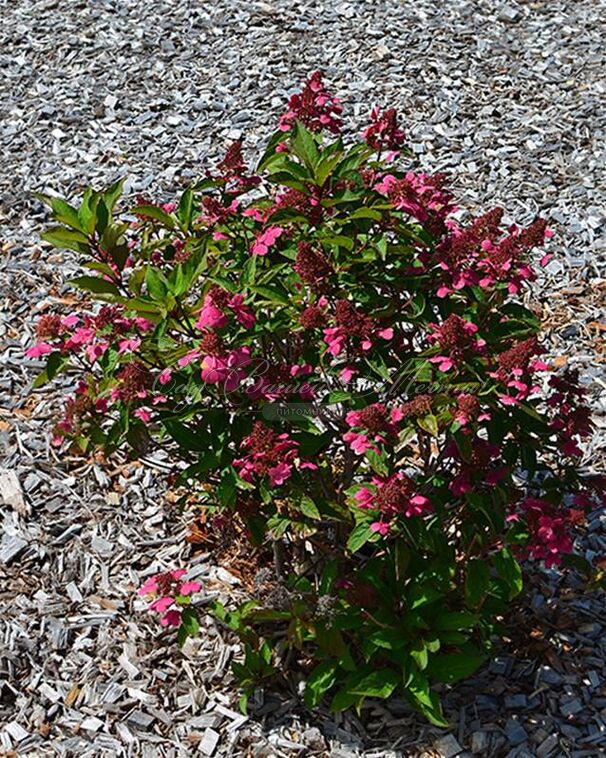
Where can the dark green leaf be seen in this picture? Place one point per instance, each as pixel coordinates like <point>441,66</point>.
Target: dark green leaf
<point>477,582</point>
<point>359,536</point>
<point>156,213</point>
<point>95,284</point>
<point>509,570</point>
<point>61,236</point>
<point>451,667</point>
<point>380,683</point>
<point>321,679</point>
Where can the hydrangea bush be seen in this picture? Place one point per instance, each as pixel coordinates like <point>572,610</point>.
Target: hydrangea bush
<point>340,363</point>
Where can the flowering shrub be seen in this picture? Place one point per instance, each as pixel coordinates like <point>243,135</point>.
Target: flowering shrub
<point>338,360</point>
<point>171,597</point>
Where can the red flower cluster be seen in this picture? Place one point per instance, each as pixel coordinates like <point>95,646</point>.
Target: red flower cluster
<point>549,528</point>
<point>215,311</point>
<point>476,256</point>
<point>308,204</point>
<point>456,337</point>
<point>572,421</point>
<point>392,497</point>
<point>383,132</point>
<point>351,322</point>
<point>423,197</point>
<point>375,419</point>
<point>311,265</point>
<point>314,107</point>
<point>168,594</point>
<point>268,454</point>
<point>483,467</point>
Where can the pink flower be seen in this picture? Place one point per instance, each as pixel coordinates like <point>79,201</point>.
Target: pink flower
<point>143,414</point>
<point>82,336</point>
<point>95,351</point>
<point>382,527</point>
<point>172,618</point>
<point>383,132</point>
<point>228,369</point>
<point>358,442</point>
<point>162,604</point>
<point>444,362</point>
<point>253,213</point>
<point>149,587</point>
<point>70,321</point>
<point>347,374</point>
<point>279,474</point>
<point>242,312</point>
<point>335,339</point>
<point>314,107</point>
<point>165,376</point>
<point>188,358</point>
<point>460,485</point>
<point>189,588</point>
<point>210,316</point>
<point>266,239</point>
<point>393,496</point>
<point>143,324</point>
<point>364,497</point>
<point>37,351</point>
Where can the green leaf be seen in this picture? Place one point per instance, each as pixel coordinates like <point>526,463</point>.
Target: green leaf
<point>270,150</point>
<point>326,167</point>
<point>189,625</point>
<point>138,437</point>
<point>477,582</point>
<point>156,284</point>
<point>154,212</point>
<point>510,571</point>
<point>185,209</point>
<point>344,699</point>
<point>378,462</point>
<point>309,508</point>
<point>421,596</point>
<point>451,667</point>
<point>62,211</point>
<point>328,577</point>
<point>272,294</point>
<point>87,212</point>
<point>578,563</point>
<point>320,680</point>
<point>379,683</point>
<point>455,621</point>
<point>304,146</point>
<point>227,489</point>
<point>69,239</point>
<point>338,240</point>
<point>420,695</point>
<point>189,619</point>
<point>55,363</point>
<point>429,424</point>
<point>369,213</point>
<point>95,284</point>
<point>359,536</point>
<point>112,193</point>
<point>339,396</point>
<point>420,656</point>
<point>186,437</point>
